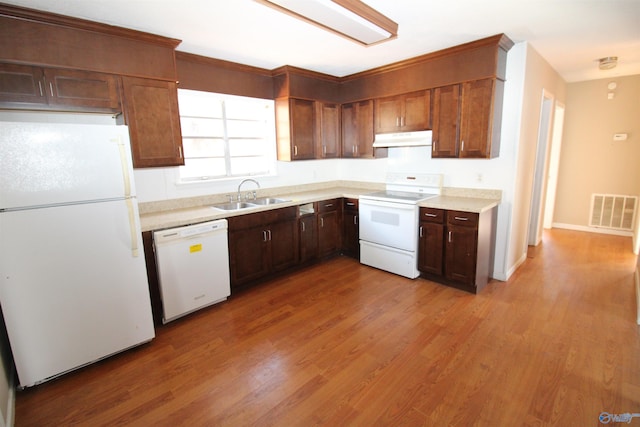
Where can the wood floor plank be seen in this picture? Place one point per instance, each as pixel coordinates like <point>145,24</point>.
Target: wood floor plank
<point>344,344</point>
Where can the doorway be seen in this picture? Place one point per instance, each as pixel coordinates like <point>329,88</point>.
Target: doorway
<point>540,170</point>
<point>554,165</point>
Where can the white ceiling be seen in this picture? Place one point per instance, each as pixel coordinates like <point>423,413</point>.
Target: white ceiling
<point>570,34</point>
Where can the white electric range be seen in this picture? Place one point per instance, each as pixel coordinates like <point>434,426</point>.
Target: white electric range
<point>389,222</point>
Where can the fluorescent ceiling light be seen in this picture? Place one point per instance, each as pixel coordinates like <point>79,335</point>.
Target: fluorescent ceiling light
<point>349,18</point>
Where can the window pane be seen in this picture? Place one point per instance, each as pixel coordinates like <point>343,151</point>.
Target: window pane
<point>203,147</point>
<point>197,126</point>
<point>248,166</point>
<point>199,104</point>
<point>226,131</point>
<point>202,168</point>
<point>247,147</point>
<point>245,128</point>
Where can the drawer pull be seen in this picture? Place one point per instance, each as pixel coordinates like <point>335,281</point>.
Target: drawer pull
<point>431,215</point>
<point>328,205</point>
<point>350,204</point>
<point>460,218</point>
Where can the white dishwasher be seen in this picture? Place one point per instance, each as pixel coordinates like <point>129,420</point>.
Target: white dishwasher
<point>193,267</point>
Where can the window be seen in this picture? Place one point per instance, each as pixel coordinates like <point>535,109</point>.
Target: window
<point>226,136</point>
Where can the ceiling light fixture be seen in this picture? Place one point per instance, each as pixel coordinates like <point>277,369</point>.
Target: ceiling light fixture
<point>607,62</point>
<point>349,18</point>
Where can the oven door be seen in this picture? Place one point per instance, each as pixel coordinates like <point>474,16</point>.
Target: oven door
<point>389,224</point>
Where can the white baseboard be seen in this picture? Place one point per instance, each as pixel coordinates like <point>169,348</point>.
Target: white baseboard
<point>591,229</point>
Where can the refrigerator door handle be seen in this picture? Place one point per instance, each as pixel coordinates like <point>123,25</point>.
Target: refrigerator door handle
<point>125,167</point>
<point>132,228</point>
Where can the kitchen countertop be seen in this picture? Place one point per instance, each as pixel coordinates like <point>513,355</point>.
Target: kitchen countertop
<point>451,199</point>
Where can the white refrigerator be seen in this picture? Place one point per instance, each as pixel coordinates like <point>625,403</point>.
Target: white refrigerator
<point>73,281</point>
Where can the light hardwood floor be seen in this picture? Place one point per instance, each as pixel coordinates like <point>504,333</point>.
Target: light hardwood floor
<point>341,344</point>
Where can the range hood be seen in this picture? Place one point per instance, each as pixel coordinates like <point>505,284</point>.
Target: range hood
<point>403,139</point>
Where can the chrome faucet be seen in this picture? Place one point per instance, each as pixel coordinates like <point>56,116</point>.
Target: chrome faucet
<point>240,186</point>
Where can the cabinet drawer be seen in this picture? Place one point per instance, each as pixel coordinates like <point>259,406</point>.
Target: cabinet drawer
<point>467,219</point>
<point>328,205</point>
<point>432,215</point>
<point>350,205</point>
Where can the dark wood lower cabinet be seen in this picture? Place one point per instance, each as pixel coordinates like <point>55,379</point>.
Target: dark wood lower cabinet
<point>456,248</point>
<point>328,227</point>
<point>308,232</point>
<point>350,228</point>
<point>262,243</point>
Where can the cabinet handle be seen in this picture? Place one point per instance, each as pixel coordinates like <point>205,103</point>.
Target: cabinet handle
<point>51,88</point>
<point>460,218</point>
<point>462,146</point>
<point>303,227</point>
<point>449,236</point>
<point>40,87</point>
<point>398,121</point>
<point>433,146</point>
<point>355,220</point>
<point>180,152</point>
<point>321,222</point>
<point>269,234</point>
<point>328,205</point>
<point>350,204</point>
<point>324,150</point>
<point>295,150</point>
<point>264,235</point>
<point>430,215</point>
<point>421,235</point>
<point>402,121</point>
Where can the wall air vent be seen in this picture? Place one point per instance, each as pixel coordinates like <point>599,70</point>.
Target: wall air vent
<point>613,211</point>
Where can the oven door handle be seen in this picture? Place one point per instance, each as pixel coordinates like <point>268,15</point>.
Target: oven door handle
<point>392,205</point>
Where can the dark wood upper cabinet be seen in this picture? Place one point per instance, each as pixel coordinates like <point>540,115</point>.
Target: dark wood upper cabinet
<point>151,112</point>
<point>467,119</point>
<point>480,119</point>
<point>295,128</point>
<point>403,113</point>
<point>446,129</point>
<point>328,139</point>
<point>357,131</point>
<point>25,86</point>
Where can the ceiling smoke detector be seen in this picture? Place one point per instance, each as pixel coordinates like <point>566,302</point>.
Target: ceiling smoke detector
<point>608,62</point>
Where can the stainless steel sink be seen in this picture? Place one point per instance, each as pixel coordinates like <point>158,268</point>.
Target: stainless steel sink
<point>234,206</point>
<point>268,201</point>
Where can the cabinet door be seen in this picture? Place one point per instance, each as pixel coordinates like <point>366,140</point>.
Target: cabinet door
<point>349,129</point>
<point>365,129</point>
<point>82,89</point>
<point>329,130</point>
<point>388,114</point>
<point>248,254</point>
<point>417,111</point>
<point>350,228</point>
<point>308,231</point>
<point>283,242</point>
<point>460,254</point>
<point>476,118</point>
<point>431,248</point>
<point>22,84</point>
<point>446,107</point>
<point>328,233</point>
<point>303,125</point>
<point>151,111</point>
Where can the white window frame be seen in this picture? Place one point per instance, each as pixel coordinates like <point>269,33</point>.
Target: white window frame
<point>269,137</point>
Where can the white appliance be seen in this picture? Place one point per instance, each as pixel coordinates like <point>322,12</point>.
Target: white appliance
<point>404,139</point>
<point>73,282</point>
<point>193,267</point>
<point>389,222</point>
